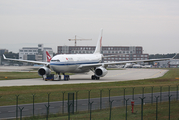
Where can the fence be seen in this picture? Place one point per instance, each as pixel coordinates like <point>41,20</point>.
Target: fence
<point>45,104</point>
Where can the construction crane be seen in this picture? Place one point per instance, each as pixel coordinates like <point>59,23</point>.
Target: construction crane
<point>77,39</point>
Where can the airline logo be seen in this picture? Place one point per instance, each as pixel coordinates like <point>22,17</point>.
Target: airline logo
<point>48,57</point>
<point>69,59</point>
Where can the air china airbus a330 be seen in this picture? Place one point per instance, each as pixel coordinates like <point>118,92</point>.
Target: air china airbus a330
<point>80,63</point>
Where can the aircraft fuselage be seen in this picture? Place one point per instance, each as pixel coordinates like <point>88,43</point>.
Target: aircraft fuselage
<point>70,62</point>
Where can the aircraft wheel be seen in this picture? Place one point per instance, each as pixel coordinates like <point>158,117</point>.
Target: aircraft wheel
<point>93,77</point>
<point>66,77</point>
<point>59,77</point>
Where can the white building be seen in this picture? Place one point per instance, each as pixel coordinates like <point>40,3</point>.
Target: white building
<point>35,53</point>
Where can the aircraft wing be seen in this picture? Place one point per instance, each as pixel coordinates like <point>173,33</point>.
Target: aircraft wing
<point>136,61</point>
<point>29,61</point>
<point>122,62</point>
<point>90,65</point>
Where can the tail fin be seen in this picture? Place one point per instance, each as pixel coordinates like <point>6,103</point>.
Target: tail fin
<point>48,56</point>
<point>99,43</point>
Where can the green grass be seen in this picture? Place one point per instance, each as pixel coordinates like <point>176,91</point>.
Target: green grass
<point>119,113</point>
<point>149,113</point>
<point>21,75</point>
<point>18,75</point>
<point>117,88</point>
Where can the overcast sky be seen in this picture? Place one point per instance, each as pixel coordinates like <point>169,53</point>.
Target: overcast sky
<point>152,24</point>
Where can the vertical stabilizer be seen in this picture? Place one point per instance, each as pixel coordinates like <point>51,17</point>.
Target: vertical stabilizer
<point>48,56</point>
<point>99,43</point>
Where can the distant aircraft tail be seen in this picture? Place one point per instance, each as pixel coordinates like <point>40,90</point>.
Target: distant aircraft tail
<point>99,43</point>
<point>48,56</point>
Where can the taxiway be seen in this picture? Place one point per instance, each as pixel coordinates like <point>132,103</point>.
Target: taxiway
<point>112,76</point>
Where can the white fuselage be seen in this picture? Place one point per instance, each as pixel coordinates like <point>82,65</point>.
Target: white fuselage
<point>71,62</point>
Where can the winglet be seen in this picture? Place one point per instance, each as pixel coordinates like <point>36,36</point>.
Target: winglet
<point>99,43</point>
<point>4,56</point>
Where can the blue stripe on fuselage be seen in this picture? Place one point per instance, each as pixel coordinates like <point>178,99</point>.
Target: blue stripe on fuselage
<point>72,63</point>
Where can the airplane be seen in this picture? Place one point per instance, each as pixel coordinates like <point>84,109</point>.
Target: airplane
<point>80,63</point>
<point>137,66</point>
<point>128,65</point>
<point>48,56</point>
<point>147,66</point>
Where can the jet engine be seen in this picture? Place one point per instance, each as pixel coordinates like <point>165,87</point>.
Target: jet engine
<point>100,71</point>
<point>44,71</point>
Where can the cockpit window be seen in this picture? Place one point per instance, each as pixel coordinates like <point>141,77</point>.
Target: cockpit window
<point>55,60</point>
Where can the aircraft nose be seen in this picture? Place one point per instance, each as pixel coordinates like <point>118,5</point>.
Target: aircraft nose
<point>51,66</point>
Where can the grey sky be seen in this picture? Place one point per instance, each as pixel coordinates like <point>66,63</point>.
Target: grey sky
<point>153,24</point>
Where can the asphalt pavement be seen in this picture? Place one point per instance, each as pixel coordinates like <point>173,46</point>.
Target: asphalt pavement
<point>112,76</point>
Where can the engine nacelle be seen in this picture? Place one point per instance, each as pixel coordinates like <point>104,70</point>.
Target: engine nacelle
<point>44,71</point>
<point>100,71</point>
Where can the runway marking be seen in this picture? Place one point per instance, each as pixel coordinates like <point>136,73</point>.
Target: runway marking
<point>156,74</point>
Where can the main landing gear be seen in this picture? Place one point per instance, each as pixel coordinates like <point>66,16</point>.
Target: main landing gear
<point>94,77</point>
<point>66,77</point>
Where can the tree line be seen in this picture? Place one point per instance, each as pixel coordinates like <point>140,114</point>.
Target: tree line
<point>169,55</point>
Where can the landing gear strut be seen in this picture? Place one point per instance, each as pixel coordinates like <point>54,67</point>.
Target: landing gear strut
<point>94,77</point>
<point>59,76</point>
<point>66,77</point>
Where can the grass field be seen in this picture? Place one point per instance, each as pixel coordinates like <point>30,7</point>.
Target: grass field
<point>18,75</point>
<point>25,92</point>
<point>119,113</point>
<point>117,88</point>
<point>21,75</point>
<point>149,113</point>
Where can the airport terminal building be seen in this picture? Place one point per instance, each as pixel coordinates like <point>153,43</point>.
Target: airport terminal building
<point>126,53</point>
<point>35,53</point>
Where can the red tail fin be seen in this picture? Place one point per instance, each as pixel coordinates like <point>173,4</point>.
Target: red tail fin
<point>48,56</point>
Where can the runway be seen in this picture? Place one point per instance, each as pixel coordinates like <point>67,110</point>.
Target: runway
<point>112,76</point>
